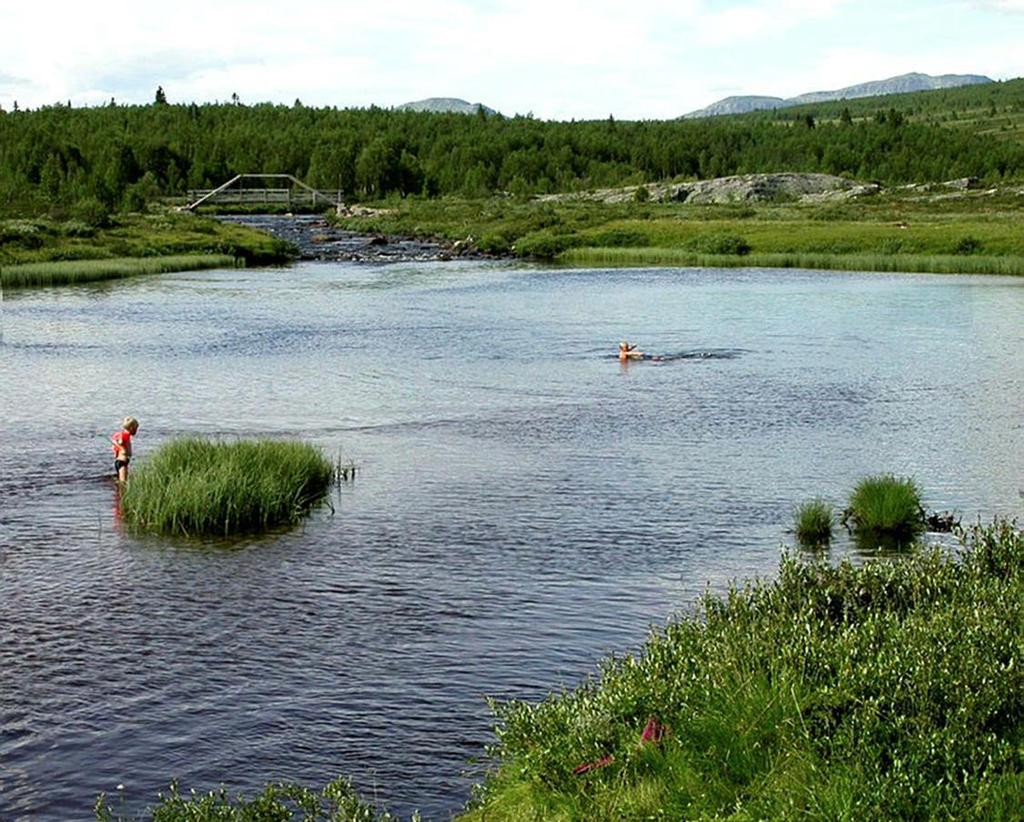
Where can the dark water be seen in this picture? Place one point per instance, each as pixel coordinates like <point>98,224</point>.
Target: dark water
<point>524,503</point>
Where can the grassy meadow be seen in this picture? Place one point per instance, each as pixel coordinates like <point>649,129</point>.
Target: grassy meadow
<point>44,251</point>
<point>78,272</point>
<point>906,230</point>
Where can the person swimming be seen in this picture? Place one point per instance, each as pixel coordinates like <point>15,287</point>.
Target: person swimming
<point>629,352</point>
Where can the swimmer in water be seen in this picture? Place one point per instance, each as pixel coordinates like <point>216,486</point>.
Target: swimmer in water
<point>629,352</point>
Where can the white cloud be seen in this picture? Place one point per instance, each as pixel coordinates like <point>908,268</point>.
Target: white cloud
<point>557,58</point>
<point>1011,6</point>
<point>762,18</point>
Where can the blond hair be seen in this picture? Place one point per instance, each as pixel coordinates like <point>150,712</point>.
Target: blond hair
<point>130,424</point>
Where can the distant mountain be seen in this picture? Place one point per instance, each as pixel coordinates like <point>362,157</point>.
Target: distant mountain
<point>894,85</point>
<point>445,105</point>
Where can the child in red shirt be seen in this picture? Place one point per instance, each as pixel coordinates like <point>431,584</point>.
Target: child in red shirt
<point>122,442</point>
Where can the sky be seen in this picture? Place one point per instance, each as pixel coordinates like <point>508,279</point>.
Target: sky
<point>554,59</point>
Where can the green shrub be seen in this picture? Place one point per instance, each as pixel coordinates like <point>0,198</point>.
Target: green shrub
<point>23,233</point>
<point>619,238</point>
<point>814,521</point>
<point>888,506</point>
<point>91,212</point>
<point>77,228</point>
<point>193,486</point>
<point>721,244</point>
<point>967,245</point>
<point>495,243</point>
<point>545,244</point>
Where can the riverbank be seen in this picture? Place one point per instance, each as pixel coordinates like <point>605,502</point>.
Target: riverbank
<point>920,229</point>
<point>79,272</point>
<point>49,252</point>
<point>888,691</point>
<point>892,690</point>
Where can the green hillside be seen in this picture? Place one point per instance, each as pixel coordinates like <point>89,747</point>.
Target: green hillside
<point>117,158</point>
<point>990,110</point>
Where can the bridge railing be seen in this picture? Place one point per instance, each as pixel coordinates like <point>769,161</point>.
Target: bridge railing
<point>234,193</point>
<point>269,196</point>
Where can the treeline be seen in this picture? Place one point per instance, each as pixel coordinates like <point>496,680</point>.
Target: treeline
<point>120,157</point>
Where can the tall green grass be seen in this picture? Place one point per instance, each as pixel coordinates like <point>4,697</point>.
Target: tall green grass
<point>888,506</point>
<point>892,690</point>
<point>895,263</point>
<point>193,486</point>
<point>75,272</point>
<point>813,523</point>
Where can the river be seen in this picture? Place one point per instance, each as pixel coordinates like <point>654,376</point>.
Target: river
<point>524,504</point>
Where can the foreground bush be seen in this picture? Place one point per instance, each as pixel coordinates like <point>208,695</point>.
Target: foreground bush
<point>338,802</point>
<point>814,521</point>
<point>894,690</point>
<point>195,487</point>
<point>888,506</point>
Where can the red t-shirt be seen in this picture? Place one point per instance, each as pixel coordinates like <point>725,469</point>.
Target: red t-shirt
<point>122,443</point>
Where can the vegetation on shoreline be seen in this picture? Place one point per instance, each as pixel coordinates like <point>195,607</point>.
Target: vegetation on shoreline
<point>891,690</point>
<point>337,802</point>
<point>199,487</point>
<point>899,231</point>
<point>42,251</point>
<point>78,272</point>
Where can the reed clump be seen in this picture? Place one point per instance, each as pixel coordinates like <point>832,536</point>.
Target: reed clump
<point>814,520</point>
<point>201,487</point>
<point>823,261</point>
<point>887,506</point>
<point>888,690</point>
<point>77,272</point>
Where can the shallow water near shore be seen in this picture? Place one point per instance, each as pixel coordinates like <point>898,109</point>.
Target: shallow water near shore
<point>524,504</point>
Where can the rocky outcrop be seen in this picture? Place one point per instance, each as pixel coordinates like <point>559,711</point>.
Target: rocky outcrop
<point>767,188</point>
<point>745,188</point>
<point>446,105</point>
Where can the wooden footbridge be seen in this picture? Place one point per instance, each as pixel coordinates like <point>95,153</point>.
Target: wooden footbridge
<point>239,190</point>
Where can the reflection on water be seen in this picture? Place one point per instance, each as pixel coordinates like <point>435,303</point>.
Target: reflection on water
<point>524,504</point>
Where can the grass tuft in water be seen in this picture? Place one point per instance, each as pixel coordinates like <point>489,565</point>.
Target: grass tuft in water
<point>814,521</point>
<point>200,487</point>
<point>886,506</point>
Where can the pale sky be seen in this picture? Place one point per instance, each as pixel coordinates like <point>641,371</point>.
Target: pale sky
<point>557,59</point>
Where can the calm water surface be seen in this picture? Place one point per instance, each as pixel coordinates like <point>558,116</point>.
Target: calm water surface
<point>524,503</point>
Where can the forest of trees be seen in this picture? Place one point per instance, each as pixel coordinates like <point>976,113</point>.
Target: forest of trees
<point>120,157</point>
